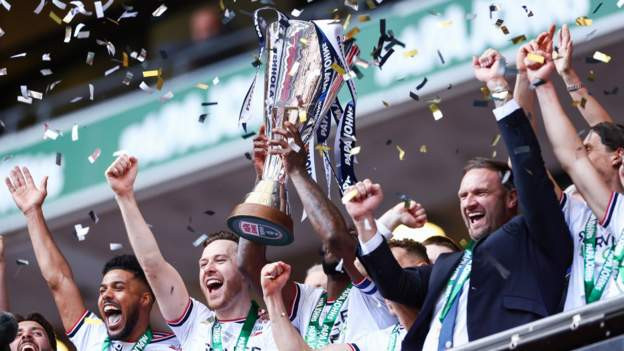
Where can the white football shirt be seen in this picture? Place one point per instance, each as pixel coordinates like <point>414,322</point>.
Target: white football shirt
<point>380,340</point>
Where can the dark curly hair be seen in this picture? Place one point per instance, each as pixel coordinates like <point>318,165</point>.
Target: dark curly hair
<point>127,263</point>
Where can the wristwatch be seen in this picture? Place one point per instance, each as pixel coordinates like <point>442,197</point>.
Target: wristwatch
<point>500,93</point>
<point>574,87</point>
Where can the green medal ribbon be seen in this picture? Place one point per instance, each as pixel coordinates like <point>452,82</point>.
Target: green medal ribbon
<point>317,335</point>
<point>594,286</point>
<point>144,340</point>
<point>393,337</point>
<point>243,337</point>
<point>456,283</point>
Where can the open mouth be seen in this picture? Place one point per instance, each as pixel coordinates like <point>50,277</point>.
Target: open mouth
<point>213,285</point>
<point>475,217</point>
<point>113,315</point>
<point>28,346</point>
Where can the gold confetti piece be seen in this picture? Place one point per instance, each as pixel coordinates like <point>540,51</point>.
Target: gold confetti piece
<point>159,83</point>
<point>504,29</point>
<point>401,153</point>
<point>423,149</point>
<point>535,57</point>
<point>364,18</point>
<point>583,21</point>
<point>485,92</point>
<point>445,24</point>
<point>349,196</point>
<point>519,39</point>
<point>495,140</point>
<point>352,33</point>
<point>124,59</point>
<point>55,18</point>
<point>345,25</point>
<point>152,73</point>
<point>385,103</point>
<point>356,150</point>
<point>580,103</point>
<point>221,5</point>
<point>602,57</point>
<point>303,41</point>
<point>435,109</point>
<point>371,4</point>
<point>410,53</point>
<point>303,116</point>
<point>202,86</point>
<point>337,68</point>
<point>322,148</point>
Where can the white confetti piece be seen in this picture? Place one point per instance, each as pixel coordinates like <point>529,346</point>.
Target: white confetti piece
<point>99,12</point>
<point>160,10</point>
<point>75,132</point>
<point>339,265</point>
<point>91,92</point>
<point>80,231</point>
<point>25,100</point>
<point>296,12</point>
<point>367,224</point>
<point>109,46</point>
<point>23,54</point>
<point>45,57</point>
<point>139,57</point>
<point>294,69</point>
<point>78,33</point>
<point>115,246</point>
<point>61,5</point>
<point>24,90</point>
<point>127,79</point>
<point>2,32</point>
<point>111,70</point>
<point>46,72</point>
<point>199,241</point>
<point>50,134</point>
<point>3,71</point>
<point>127,14</point>
<point>167,96</point>
<point>146,88</point>
<point>39,7</point>
<point>35,94</point>
<point>54,84</point>
<point>215,81</point>
<point>90,56</point>
<point>94,155</point>
<point>68,32</point>
<point>22,262</point>
<point>6,5</point>
<point>602,57</point>
<point>75,100</point>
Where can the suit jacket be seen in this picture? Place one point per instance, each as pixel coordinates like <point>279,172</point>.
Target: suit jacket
<point>518,271</point>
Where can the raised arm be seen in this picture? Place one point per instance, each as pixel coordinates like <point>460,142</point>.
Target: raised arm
<point>409,213</point>
<point>406,286</point>
<point>274,277</point>
<point>53,265</point>
<point>323,214</point>
<point>166,283</point>
<point>4,293</point>
<point>567,146</point>
<point>592,111</point>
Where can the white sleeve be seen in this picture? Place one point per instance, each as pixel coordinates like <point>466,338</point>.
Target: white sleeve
<point>303,306</point>
<point>88,333</point>
<point>186,325</point>
<point>372,244</point>
<point>383,230</point>
<point>507,109</point>
<point>373,303</point>
<point>613,217</point>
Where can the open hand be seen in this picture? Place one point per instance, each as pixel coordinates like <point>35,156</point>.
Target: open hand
<point>121,175</point>
<point>289,147</point>
<point>25,193</point>
<point>563,63</point>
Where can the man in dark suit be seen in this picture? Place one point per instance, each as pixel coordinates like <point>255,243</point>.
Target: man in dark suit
<point>512,272</point>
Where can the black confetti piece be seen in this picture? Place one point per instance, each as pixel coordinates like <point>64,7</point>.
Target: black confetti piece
<point>59,158</point>
<point>422,84</point>
<point>597,8</point>
<point>209,103</point>
<point>94,216</point>
<point>248,135</point>
<point>202,117</point>
<point>441,57</point>
<point>613,91</point>
<point>209,212</point>
<point>248,156</point>
<point>414,96</point>
<point>386,57</point>
<point>388,142</point>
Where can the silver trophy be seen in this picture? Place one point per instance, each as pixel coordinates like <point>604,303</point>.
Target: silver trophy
<point>302,80</point>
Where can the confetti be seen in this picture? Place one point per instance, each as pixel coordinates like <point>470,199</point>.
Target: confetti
<point>69,16</point>
<point>111,70</point>
<point>423,149</point>
<point>128,78</point>
<point>160,10</point>
<point>620,3</point>
<point>296,12</point>
<point>200,240</point>
<point>55,18</point>
<point>203,117</point>
<point>583,21</point>
<point>364,18</point>
<point>602,57</point>
<point>410,53</point>
<point>143,86</point>
<point>45,57</point>
<point>22,262</point>
<point>115,246</point>
<point>293,69</point>
<point>50,133</point>
<point>6,5</point>
<point>352,33</point>
<point>303,115</point>
<point>23,54</point>
<point>597,8</point>
<point>338,69</point>
<point>528,12</point>
<point>167,96</point>
<point>535,57</point>
<point>93,321</point>
<point>124,59</point>
<point>2,32</point>
<point>445,24</point>
<point>76,99</point>
<point>248,156</point>
<point>354,151</point>
<point>385,103</point>
<point>91,92</point>
<point>435,109</point>
<point>94,155</point>
<point>422,84</point>
<point>519,39</point>
<point>74,133</point>
<point>215,81</point>
<point>613,91</point>
<point>248,135</point>
<point>3,71</point>
<point>61,5</point>
<point>53,85</point>
<point>109,46</point>
<point>209,212</point>
<point>99,12</point>
<point>46,72</point>
<point>441,57</point>
<point>68,32</point>
<point>580,103</point>
<point>127,14</point>
<point>59,158</point>
<point>202,86</point>
<point>414,96</point>
<point>294,145</point>
<point>349,196</point>
<point>401,153</point>
<point>90,56</point>
<point>39,7</point>
<point>152,73</point>
<point>591,76</point>
<point>80,231</point>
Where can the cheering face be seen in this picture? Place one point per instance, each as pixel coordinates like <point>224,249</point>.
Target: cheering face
<point>219,277</point>
<point>599,155</point>
<point>485,203</point>
<point>121,297</point>
<point>31,337</point>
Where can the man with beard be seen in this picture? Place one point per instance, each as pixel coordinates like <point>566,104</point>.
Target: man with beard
<point>34,333</point>
<point>124,301</point>
<point>351,306</point>
<point>230,321</point>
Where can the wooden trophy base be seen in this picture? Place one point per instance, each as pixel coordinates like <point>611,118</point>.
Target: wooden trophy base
<point>261,224</point>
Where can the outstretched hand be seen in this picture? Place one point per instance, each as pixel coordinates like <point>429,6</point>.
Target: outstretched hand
<point>274,277</point>
<point>542,40</point>
<point>289,147</point>
<point>563,62</point>
<point>121,175</point>
<point>364,198</point>
<point>27,196</point>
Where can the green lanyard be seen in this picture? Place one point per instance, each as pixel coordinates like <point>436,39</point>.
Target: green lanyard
<point>456,283</point>
<point>139,346</point>
<point>317,336</point>
<point>594,287</point>
<point>243,337</point>
<point>393,337</point>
